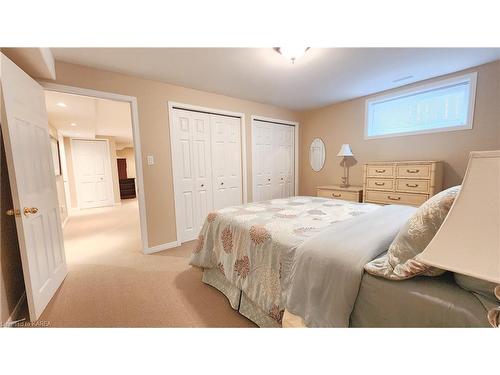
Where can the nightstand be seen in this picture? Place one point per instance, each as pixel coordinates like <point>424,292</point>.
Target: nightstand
<point>351,193</point>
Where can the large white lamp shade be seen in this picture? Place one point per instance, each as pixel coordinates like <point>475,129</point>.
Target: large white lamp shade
<point>468,241</point>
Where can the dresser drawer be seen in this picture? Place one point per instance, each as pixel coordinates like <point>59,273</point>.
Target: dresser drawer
<point>414,170</point>
<point>395,198</point>
<point>380,184</point>
<point>380,170</point>
<point>409,185</point>
<point>338,194</point>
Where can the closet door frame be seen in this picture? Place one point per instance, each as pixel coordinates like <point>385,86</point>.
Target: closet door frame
<point>171,106</point>
<point>295,145</point>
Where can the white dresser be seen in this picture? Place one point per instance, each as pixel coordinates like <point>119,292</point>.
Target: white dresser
<point>402,182</point>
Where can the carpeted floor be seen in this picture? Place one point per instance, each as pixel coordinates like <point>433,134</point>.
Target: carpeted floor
<point>111,283</point>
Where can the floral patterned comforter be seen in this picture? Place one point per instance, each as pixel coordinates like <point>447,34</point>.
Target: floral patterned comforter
<point>254,245</point>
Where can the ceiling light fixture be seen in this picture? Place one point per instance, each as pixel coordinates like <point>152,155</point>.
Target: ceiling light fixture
<point>61,104</point>
<point>292,53</point>
<point>73,124</point>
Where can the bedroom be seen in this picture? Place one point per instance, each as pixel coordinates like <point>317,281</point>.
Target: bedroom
<point>276,186</point>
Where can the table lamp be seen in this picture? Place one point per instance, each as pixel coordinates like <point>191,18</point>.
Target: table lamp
<point>345,152</point>
<point>468,241</point>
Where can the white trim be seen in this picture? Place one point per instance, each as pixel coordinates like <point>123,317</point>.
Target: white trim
<point>296,147</point>
<point>111,199</point>
<point>132,100</point>
<point>163,246</point>
<point>244,173</point>
<point>65,220</point>
<point>15,313</point>
<point>470,77</point>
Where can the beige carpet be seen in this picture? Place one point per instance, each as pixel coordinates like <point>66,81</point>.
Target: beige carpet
<point>112,284</point>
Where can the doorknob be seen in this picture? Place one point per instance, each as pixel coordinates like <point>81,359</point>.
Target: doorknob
<point>30,210</point>
<point>13,212</point>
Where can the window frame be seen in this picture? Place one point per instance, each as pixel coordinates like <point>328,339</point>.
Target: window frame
<point>469,78</point>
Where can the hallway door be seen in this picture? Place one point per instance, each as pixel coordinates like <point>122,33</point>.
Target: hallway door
<point>31,172</point>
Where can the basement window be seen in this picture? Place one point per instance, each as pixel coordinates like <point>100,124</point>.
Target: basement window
<point>440,106</point>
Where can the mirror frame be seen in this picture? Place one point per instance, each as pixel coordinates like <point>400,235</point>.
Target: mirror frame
<point>324,151</point>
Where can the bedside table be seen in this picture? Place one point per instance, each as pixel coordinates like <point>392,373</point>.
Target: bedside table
<point>351,193</point>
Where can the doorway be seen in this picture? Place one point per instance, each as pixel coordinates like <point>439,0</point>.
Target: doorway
<point>126,144</point>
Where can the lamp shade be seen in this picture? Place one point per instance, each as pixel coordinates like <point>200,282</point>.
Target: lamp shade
<point>345,150</point>
<point>468,241</point>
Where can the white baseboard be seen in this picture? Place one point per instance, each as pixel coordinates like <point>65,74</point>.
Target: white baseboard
<point>15,313</point>
<point>163,246</point>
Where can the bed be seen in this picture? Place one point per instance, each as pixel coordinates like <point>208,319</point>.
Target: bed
<point>306,255</point>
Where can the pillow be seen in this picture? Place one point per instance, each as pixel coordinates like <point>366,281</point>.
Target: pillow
<point>413,238</point>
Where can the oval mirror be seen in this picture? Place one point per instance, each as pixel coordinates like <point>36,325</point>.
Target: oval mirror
<point>317,154</point>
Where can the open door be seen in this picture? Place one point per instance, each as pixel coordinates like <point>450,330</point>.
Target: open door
<point>31,172</point>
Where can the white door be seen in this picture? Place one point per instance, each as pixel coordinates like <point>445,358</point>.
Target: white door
<point>193,171</point>
<point>226,160</point>
<point>262,160</point>
<point>92,166</point>
<point>273,155</point>
<point>34,194</point>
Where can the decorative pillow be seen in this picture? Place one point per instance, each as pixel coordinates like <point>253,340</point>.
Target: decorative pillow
<point>413,238</point>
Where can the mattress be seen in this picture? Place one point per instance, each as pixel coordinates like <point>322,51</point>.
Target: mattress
<point>418,302</point>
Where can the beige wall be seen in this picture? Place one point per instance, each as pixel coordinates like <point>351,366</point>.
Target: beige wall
<point>128,153</point>
<point>152,98</point>
<point>344,123</point>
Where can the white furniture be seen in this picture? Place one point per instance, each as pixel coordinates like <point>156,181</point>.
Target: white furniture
<point>349,193</point>
<point>402,182</point>
<point>273,160</point>
<point>207,154</point>
<point>468,241</point>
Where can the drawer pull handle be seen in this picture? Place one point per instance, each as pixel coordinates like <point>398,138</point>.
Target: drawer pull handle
<point>380,170</point>
<point>336,195</point>
<point>380,183</point>
<point>393,198</point>
<point>413,170</point>
<point>412,185</point>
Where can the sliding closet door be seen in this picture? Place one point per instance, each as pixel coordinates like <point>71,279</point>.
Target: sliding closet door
<point>262,160</point>
<point>288,154</point>
<point>192,163</point>
<point>226,160</point>
<point>273,155</point>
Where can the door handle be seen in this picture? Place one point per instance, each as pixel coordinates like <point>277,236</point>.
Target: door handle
<point>222,183</point>
<point>202,185</point>
<point>13,212</point>
<point>30,210</point>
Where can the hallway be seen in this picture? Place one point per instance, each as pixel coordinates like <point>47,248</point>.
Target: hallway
<point>111,283</point>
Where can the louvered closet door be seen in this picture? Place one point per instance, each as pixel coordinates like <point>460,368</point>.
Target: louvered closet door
<point>226,161</point>
<point>262,160</point>
<point>192,163</point>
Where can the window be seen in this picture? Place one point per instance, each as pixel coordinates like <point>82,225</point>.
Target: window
<point>440,106</point>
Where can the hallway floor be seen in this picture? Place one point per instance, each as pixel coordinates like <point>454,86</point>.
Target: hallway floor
<point>111,283</point>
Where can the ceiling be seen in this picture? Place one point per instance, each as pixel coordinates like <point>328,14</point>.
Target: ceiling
<point>92,117</point>
<point>321,77</point>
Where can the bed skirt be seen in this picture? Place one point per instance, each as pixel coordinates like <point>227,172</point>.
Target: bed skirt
<point>238,299</point>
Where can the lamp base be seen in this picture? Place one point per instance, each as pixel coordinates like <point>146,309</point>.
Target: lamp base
<point>344,183</point>
<point>494,314</point>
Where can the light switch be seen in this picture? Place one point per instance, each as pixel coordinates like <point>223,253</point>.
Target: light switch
<point>151,160</point>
